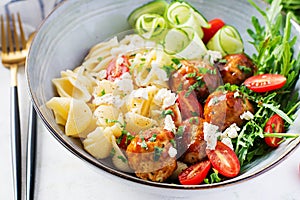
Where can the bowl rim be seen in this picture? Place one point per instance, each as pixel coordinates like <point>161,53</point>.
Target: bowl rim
<point>131,178</point>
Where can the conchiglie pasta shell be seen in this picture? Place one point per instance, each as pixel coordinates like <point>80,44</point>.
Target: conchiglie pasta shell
<point>79,118</point>
<point>69,87</point>
<point>136,123</point>
<point>105,112</point>
<point>60,107</point>
<point>104,86</point>
<point>92,126</point>
<point>119,159</point>
<point>98,143</point>
<point>118,127</point>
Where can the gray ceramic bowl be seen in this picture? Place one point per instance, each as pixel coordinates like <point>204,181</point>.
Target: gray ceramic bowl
<point>75,26</point>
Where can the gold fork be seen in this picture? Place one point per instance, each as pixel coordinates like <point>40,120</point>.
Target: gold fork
<point>13,55</point>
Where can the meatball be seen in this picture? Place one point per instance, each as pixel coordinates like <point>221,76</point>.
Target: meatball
<point>151,154</point>
<point>195,75</point>
<point>191,144</point>
<point>236,68</point>
<point>223,108</point>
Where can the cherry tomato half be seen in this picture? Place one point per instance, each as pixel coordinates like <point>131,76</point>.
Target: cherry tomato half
<point>274,125</point>
<point>215,25</point>
<point>265,82</point>
<point>189,105</point>
<point>195,174</point>
<point>115,70</point>
<point>224,160</point>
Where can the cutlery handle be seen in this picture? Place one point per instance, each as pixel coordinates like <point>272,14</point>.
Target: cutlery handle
<point>16,143</point>
<point>31,154</point>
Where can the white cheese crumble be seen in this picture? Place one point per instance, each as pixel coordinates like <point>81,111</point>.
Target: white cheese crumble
<point>212,56</point>
<point>227,142</point>
<point>211,135</point>
<point>236,94</point>
<point>247,115</point>
<point>125,83</point>
<point>109,99</point>
<point>169,124</point>
<point>165,98</point>
<point>172,152</point>
<point>232,131</point>
<point>140,93</point>
<point>229,133</point>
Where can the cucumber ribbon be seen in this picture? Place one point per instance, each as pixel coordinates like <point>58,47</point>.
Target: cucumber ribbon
<point>227,41</point>
<point>181,14</point>
<point>151,26</point>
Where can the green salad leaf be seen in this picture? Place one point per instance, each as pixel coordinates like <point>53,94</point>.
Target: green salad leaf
<point>275,54</point>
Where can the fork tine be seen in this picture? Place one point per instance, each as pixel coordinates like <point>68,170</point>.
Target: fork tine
<point>15,35</point>
<point>23,39</point>
<point>9,36</point>
<point>3,37</point>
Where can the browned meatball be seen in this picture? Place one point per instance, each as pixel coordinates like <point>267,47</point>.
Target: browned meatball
<point>191,144</point>
<point>223,108</point>
<point>195,75</point>
<point>236,68</point>
<point>151,155</point>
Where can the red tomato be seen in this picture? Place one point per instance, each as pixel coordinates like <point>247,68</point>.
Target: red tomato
<point>265,82</point>
<point>195,174</point>
<point>189,105</point>
<point>224,160</point>
<point>274,125</point>
<point>115,70</point>
<point>215,25</point>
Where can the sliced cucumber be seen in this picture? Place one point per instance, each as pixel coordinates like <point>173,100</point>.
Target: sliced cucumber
<point>176,40</point>
<point>227,40</point>
<point>154,7</point>
<point>231,41</point>
<point>181,14</point>
<point>151,26</point>
<point>184,43</point>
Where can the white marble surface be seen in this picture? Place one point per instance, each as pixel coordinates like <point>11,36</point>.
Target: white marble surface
<point>63,176</point>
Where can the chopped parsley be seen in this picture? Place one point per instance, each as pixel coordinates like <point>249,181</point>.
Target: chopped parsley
<point>153,138</point>
<point>167,112</point>
<point>180,131</point>
<point>143,143</point>
<point>157,153</point>
<point>245,69</point>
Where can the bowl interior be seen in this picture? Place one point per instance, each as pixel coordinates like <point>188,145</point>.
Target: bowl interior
<point>66,36</point>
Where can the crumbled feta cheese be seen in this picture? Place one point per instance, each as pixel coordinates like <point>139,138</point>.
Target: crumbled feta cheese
<point>172,152</point>
<point>169,124</point>
<point>165,98</point>
<point>140,93</point>
<point>211,135</point>
<point>227,142</point>
<point>232,131</point>
<point>247,115</point>
<point>125,83</point>
<point>212,56</point>
<point>236,94</point>
<point>109,99</point>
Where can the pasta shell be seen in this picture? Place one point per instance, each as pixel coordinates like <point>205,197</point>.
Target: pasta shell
<point>79,118</point>
<point>119,159</point>
<point>136,123</point>
<point>106,115</point>
<point>98,143</point>
<point>60,107</point>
